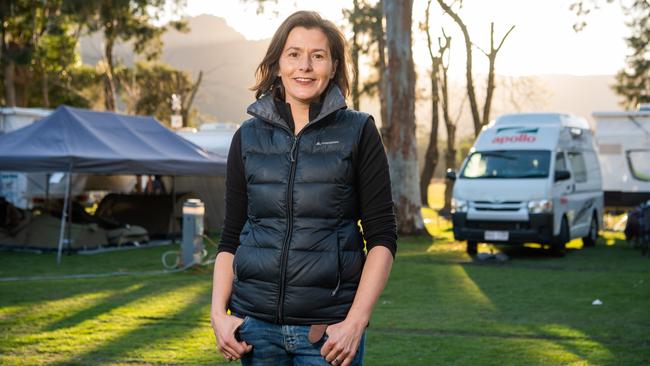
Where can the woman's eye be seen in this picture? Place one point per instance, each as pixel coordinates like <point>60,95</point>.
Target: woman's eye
<point>293,54</point>
<point>318,56</point>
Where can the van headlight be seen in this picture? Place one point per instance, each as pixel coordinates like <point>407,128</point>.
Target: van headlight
<point>458,205</point>
<point>540,206</point>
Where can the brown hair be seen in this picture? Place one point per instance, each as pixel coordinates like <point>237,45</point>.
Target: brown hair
<point>267,71</point>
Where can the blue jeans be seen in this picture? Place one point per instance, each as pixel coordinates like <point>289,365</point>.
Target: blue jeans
<point>276,345</point>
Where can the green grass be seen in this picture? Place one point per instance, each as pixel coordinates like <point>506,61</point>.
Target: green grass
<point>439,308</point>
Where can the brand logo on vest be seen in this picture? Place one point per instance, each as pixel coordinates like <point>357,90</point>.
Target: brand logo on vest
<point>327,143</point>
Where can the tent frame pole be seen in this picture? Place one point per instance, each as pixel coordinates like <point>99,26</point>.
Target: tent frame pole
<point>64,214</point>
<point>69,216</point>
<point>173,226</point>
<point>47,193</point>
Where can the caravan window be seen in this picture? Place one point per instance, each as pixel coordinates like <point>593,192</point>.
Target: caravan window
<point>560,163</point>
<point>507,164</point>
<point>639,162</point>
<point>579,167</point>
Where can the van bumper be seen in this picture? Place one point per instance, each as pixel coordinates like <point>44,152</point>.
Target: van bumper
<point>538,229</point>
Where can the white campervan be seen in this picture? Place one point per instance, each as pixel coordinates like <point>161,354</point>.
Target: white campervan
<point>529,178</point>
<point>623,139</point>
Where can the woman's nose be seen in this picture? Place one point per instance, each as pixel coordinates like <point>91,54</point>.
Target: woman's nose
<point>305,63</point>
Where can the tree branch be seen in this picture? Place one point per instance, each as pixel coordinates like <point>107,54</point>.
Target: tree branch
<point>504,38</point>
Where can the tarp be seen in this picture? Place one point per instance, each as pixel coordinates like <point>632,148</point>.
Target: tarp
<point>84,141</point>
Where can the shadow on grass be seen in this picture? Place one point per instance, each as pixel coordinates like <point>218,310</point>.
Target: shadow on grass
<point>129,346</point>
<point>527,252</point>
<point>107,304</point>
<point>440,292</point>
<point>559,303</point>
<point>26,293</point>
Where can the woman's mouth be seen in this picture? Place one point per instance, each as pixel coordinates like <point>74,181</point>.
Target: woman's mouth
<point>303,81</point>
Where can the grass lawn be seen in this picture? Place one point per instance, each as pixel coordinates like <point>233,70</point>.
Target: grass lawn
<point>439,308</point>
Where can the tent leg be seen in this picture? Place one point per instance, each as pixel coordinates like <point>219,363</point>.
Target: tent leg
<point>69,216</point>
<point>47,192</point>
<point>64,214</point>
<point>173,208</point>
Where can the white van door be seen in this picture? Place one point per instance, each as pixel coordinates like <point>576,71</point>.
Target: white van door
<point>561,191</point>
<point>582,200</point>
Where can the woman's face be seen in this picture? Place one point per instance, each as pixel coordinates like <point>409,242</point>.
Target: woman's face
<point>306,65</point>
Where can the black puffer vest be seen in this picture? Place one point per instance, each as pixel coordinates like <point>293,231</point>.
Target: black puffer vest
<point>301,251</point>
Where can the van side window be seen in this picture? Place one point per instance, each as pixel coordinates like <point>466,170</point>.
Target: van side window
<point>639,162</point>
<point>560,163</point>
<point>579,167</point>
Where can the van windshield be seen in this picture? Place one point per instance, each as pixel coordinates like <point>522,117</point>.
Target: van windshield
<point>507,164</point>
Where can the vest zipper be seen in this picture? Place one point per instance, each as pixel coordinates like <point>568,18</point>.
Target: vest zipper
<point>293,150</point>
<point>287,237</point>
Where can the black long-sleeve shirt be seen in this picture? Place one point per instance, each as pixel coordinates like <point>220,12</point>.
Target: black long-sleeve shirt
<point>373,182</point>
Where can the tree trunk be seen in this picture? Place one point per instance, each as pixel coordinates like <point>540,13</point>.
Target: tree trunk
<point>450,163</point>
<point>10,86</point>
<point>489,92</point>
<point>355,57</point>
<point>400,123</point>
<point>22,82</point>
<point>468,69</point>
<point>109,81</point>
<point>8,66</point>
<point>188,105</point>
<point>492,56</point>
<point>381,50</point>
<point>45,89</point>
<point>431,154</point>
<point>450,125</point>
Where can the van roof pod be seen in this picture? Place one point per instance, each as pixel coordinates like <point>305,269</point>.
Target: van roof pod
<point>541,119</point>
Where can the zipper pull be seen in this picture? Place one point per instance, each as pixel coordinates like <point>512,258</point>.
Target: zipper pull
<point>338,284</point>
<point>293,150</point>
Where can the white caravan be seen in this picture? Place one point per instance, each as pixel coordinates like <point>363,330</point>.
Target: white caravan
<point>529,178</point>
<point>623,140</point>
<point>214,137</point>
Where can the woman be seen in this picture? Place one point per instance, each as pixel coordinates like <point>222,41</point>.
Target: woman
<point>301,173</point>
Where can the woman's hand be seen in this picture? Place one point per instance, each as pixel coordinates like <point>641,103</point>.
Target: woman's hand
<point>343,341</point>
<point>224,327</point>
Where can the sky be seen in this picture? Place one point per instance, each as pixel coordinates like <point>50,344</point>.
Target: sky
<point>543,41</point>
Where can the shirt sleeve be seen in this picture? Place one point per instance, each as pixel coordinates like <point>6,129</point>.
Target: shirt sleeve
<point>236,198</point>
<point>375,197</point>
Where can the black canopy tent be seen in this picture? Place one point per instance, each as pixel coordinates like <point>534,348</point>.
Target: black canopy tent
<point>74,140</point>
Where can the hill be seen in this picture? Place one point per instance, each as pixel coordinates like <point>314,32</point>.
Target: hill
<point>228,62</point>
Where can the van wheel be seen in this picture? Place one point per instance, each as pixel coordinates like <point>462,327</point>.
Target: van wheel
<point>592,236</point>
<point>472,248</point>
<point>558,246</point>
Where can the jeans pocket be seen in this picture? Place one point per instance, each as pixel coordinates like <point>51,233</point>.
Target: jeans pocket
<point>319,344</point>
<point>241,328</point>
<point>244,323</point>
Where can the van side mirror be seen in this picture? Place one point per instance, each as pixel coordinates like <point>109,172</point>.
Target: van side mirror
<point>562,175</point>
<point>451,174</point>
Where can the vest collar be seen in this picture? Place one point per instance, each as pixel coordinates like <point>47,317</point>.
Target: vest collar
<point>265,109</point>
